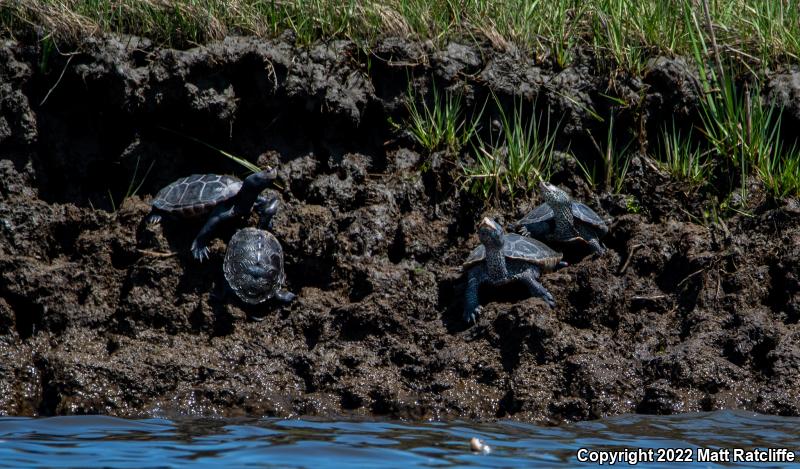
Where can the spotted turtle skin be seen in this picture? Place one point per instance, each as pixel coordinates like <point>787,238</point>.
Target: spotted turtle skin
<point>503,258</point>
<point>563,220</point>
<point>220,197</point>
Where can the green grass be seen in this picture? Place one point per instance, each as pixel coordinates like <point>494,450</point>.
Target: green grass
<point>626,32</point>
<point>252,167</point>
<point>682,157</point>
<point>520,158</point>
<point>781,173</point>
<point>614,160</point>
<point>438,123</point>
<point>732,44</point>
<point>742,131</point>
<point>133,185</point>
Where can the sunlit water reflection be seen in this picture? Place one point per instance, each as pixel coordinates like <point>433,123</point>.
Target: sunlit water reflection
<point>97,441</point>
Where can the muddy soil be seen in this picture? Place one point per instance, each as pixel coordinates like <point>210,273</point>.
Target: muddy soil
<point>100,313</point>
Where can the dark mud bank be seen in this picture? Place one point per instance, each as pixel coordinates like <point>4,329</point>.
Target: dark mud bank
<point>96,315</point>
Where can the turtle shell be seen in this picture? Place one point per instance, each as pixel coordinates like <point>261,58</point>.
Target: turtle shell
<point>197,194</point>
<point>253,265</point>
<point>537,221</point>
<point>521,248</point>
<point>589,217</point>
<point>541,213</point>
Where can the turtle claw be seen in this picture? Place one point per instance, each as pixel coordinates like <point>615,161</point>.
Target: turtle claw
<point>153,219</point>
<point>471,317</point>
<point>548,298</point>
<point>200,253</point>
<point>285,296</point>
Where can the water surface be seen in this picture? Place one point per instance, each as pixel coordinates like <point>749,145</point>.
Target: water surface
<point>97,441</point>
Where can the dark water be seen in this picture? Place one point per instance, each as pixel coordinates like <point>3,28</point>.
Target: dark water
<point>94,441</point>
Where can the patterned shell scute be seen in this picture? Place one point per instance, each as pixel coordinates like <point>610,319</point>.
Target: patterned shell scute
<point>253,265</point>
<point>196,194</point>
<point>522,248</point>
<point>540,214</point>
<point>531,250</point>
<point>475,256</point>
<point>588,216</point>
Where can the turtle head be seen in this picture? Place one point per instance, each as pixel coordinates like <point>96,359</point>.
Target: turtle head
<point>251,187</point>
<point>553,195</point>
<point>261,179</point>
<point>256,283</point>
<point>266,274</point>
<point>490,233</point>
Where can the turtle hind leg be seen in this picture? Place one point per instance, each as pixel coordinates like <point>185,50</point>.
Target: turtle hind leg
<point>529,278</point>
<point>200,250</point>
<point>285,296</point>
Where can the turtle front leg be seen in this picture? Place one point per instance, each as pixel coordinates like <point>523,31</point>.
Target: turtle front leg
<point>153,218</point>
<point>200,243</point>
<point>471,305</point>
<point>529,278</point>
<point>285,296</point>
<point>266,209</point>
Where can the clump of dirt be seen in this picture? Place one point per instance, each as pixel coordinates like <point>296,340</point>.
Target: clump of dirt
<point>100,313</point>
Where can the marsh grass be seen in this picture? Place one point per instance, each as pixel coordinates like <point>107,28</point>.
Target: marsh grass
<point>682,157</point>
<point>624,32</point>
<point>438,123</point>
<point>614,160</point>
<point>742,130</point>
<point>133,186</point>
<point>781,173</point>
<point>253,168</point>
<point>520,157</point>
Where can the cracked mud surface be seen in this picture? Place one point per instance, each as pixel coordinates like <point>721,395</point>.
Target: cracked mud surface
<point>102,314</point>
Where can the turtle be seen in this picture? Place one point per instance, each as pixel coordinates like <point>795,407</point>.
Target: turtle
<point>563,220</point>
<point>253,264</point>
<point>222,196</point>
<point>505,257</point>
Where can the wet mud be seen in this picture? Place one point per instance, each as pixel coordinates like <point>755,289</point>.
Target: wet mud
<point>100,313</point>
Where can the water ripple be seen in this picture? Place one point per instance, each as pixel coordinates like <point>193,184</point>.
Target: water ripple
<point>99,441</point>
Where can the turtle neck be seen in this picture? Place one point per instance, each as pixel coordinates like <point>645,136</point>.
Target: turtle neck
<point>496,263</point>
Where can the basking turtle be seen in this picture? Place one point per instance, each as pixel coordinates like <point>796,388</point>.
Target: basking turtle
<point>563,220</point>
<point>224,197</point>
<point>253,264</point>
<point>505,257</point>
